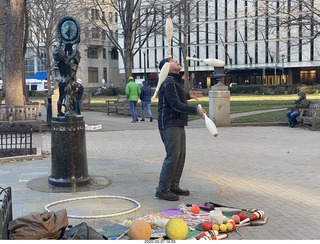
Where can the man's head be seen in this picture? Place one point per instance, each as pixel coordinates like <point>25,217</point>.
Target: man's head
<point>79,81</point>
<point>175,67</point>
<point>131,78</point>
<point>162,62</point>
<point>302,94</point>
<point>144,83</point>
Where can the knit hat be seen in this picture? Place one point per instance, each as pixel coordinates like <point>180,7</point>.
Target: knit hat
<point>302,94</point>
<point>145,83</point>
<point>79,81</point>
<point>131,78</point>
<point>163,62</point>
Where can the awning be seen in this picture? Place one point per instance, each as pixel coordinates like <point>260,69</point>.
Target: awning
<point>38,76</point>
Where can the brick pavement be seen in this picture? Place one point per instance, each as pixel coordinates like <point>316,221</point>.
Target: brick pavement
<point>273,168</point>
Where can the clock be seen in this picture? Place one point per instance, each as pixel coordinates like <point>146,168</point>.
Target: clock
<point>69,30</point>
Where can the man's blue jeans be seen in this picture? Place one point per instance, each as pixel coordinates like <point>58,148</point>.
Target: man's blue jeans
<point>133,110</point>
<point>292,117</point>
<point>146,105</point>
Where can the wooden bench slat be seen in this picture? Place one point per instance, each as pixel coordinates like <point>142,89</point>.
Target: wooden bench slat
<point>117,105</point>
<point>311,115</point>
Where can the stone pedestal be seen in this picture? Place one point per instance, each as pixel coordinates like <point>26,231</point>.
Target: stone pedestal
<point>68,152</point>
<point>219,105</point>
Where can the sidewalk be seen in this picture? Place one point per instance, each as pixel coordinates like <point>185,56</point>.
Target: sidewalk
<point>272,168</point>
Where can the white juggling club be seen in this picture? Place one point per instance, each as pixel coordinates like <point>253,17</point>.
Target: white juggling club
<point>169,33</point>
<point>209,124</point>
<point>162,75</point>
<point>209,61</point>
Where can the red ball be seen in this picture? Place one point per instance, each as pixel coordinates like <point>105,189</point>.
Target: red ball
<point>243,215</point>
<point>207,225</point>
<point>195,209</point>
<point>236,218</point>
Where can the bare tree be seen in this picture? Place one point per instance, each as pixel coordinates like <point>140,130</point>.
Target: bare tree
<point>3,8</point>
<point>14,53</point>
<point>295,22</point>
<point>187,23</point>
<point>43,17</point>
<point>137,22</point>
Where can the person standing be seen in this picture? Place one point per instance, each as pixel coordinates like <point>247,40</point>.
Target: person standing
<point>133,93</point>
<point>173,111</point>
<point>293,113</point>
<point>145,98</point>
<point>79,93</point>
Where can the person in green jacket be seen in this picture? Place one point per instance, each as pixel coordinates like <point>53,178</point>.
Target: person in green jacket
<point>133,93</point>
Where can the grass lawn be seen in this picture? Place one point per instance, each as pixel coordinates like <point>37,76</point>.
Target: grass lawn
<point>238,103</point>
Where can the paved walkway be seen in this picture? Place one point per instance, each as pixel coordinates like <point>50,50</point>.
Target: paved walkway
<point>272,168</point>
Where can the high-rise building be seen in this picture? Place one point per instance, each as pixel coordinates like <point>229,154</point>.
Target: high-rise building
<point>258,40</point>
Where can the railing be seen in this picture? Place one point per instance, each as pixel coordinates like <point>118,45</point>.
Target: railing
<point>15,140</point>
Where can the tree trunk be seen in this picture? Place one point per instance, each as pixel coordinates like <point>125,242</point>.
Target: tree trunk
<point>14,55</point>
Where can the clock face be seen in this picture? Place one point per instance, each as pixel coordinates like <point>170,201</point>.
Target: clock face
<point>69,31</point>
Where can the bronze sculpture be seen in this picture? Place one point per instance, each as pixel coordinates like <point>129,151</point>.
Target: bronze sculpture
<point>67,56</point>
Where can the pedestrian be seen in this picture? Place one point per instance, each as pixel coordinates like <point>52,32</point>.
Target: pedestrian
<point>293,113</point>
<point>133,94</point>
<point>79,93</point>
<point>145,98</point>
<point>173,111</point>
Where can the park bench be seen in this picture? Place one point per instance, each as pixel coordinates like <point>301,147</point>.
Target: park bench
<point>27,114</point>
<point>86,100</point>
<point>120,105</point>
<point>310,115</point>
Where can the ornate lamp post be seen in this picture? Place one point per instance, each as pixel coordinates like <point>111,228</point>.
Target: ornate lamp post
<point>194,69</point>
<point>282,77</point>
<point>144,51</point>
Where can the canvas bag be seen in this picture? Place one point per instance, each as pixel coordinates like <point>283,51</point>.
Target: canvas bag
<point>81,232</point>
<point>36,226</point>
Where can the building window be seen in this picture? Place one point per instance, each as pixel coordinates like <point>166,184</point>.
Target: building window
<point>104,53</point>
<point>110,17</point>
<point>95,33</point>
<point>116,17</point>
<point>94,14</point>
<point>93,74</point>
<point>93,52</point>
<point>114,53</point>
<point>105,74</point>
<point>103,35</point>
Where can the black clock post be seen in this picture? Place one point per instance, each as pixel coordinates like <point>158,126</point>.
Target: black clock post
<point>68,144</point>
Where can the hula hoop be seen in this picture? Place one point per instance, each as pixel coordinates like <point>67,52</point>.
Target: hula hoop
<point>96,216</point>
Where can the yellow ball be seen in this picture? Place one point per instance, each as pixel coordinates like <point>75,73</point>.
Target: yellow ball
<point>229,226</point>
<point>176,229</point>
<point>225,220</point>
<point>223,227</point>
<point>216,227</point>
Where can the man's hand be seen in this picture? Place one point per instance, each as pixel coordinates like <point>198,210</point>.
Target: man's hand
<point>195,94</point>
<point>201,112</point>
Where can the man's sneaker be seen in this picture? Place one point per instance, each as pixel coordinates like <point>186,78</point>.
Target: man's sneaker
<point>151,119</point>
<point>167,195</point>
<point>178,191</point>
<point>141,119</point>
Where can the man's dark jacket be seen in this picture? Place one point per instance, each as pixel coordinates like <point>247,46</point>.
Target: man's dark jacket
<point>173,109</point>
